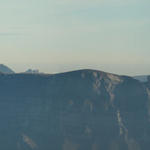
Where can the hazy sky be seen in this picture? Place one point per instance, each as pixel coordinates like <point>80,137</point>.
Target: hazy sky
<point>62,35</point>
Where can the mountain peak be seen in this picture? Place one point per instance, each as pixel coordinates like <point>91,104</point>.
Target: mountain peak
<point>5,69</point>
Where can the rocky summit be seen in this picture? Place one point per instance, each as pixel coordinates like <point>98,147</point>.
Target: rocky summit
<point>78,110</point>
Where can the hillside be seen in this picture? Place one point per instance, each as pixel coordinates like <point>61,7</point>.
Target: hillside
<point>78,110</point>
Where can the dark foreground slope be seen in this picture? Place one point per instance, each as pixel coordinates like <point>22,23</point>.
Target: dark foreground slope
<point>80,110</point>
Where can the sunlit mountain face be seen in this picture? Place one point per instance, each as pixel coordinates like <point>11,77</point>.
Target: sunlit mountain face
<point>141,78</point>
<point>5,69</point>
<point>78,110</point>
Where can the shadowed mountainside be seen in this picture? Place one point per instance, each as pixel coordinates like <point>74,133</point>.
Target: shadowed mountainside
<point>78,110</point>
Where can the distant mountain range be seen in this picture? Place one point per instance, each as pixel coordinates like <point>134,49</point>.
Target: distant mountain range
<point>5,69</point>
<point>32,71</point>
<point>78,110</point>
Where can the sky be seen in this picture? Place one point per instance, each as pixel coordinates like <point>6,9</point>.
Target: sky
<point>62,35</point>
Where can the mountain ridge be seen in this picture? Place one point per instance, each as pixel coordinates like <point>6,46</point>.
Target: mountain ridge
<point>83,109</point>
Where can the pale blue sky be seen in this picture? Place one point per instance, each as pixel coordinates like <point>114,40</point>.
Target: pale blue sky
<point>62,35</point>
